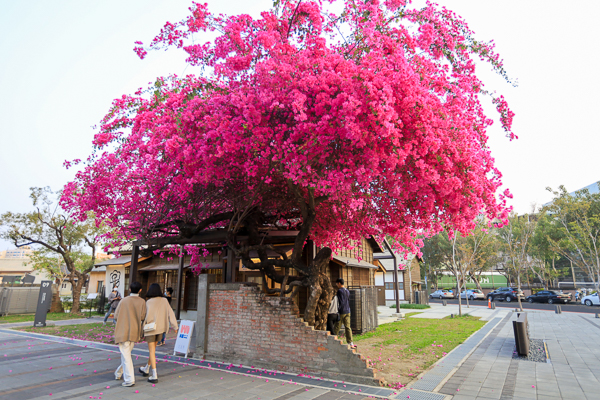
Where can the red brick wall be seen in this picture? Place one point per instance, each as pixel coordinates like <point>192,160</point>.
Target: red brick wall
<point>247,327</point>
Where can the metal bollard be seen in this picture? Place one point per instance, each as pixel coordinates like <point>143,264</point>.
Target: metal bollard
<point>597,315</point>
<point>444,302</point>
<point>493,305</point>
<point>451,315</point>
<point>558,310</point>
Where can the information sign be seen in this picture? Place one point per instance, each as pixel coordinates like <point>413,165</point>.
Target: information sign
<point>44,301</point>
<point>182,344</point>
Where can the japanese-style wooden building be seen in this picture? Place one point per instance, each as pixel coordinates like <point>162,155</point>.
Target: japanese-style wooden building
<point>356,266</point>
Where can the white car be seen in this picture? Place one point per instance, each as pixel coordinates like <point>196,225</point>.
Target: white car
<point>590,300</point>
<point>472,294</point>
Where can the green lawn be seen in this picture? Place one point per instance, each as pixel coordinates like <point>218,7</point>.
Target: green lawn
<point>96,332</point>
<point>402,350</point>
<point>9,319</point>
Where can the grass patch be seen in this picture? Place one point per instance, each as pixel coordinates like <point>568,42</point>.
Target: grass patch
<point>412,306</point>
<point>402,350</point>
<point>94,332</point>
<point>9,319</point>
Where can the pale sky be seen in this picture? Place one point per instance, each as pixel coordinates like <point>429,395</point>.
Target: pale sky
<point>63,62</point>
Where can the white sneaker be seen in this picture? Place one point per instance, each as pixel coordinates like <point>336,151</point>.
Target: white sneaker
<point>118,377</point>
<point>128,384</point>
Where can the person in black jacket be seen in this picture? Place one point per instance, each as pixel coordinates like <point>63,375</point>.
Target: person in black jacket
<point>343,296</point>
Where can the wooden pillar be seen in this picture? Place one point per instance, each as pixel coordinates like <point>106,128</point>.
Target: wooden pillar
<point>230,267</point>
<point>179,285</point>
<point>133,269</point>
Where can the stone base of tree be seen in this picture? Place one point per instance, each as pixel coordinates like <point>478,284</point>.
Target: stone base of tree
<point>244,326</point>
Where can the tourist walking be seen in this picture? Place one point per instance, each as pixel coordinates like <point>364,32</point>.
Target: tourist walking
<point>168,296</point>
<point>343,297</point>
<point>129,316</point>
<point>113,300</point>
<point>159,316</point>
<point>332,316</point>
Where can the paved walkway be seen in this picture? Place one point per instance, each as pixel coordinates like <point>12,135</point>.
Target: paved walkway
<point>483,368</point>
<point>34,367</point>
<point>572,373</point>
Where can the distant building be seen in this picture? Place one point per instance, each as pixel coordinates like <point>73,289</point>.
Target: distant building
<point>409,278</point>
<point>14,265</point>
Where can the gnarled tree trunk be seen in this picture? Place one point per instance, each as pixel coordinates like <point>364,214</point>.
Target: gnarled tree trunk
<point>320,291</point>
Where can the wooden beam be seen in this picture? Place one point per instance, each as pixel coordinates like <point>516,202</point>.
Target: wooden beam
<point>133,269</point>
<point>179,285</point>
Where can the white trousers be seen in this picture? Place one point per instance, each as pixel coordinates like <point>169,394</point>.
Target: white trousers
<point>126,367</point>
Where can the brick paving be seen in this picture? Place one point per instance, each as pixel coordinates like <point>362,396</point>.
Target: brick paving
<point>573,370</point>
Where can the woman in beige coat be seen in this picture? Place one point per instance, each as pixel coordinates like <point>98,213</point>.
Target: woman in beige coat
<point>159,313</point>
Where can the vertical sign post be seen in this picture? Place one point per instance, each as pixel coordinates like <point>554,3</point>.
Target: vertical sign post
<point>44,301</point>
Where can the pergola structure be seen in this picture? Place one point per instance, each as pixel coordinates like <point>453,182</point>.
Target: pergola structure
<point>214,236</point>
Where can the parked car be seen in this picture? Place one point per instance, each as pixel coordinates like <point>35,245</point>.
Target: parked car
<point>548,296</point>
<point>590,300</point>
<point>472,294</point>
<point>442,294</point>
<point>507,294</point>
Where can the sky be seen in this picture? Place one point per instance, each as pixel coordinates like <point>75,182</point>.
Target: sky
<point>63,62</point>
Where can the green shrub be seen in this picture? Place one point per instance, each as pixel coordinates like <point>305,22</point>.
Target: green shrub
<point>412,306</point>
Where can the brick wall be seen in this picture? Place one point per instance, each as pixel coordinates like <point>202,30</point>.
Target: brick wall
<point>247,327</point>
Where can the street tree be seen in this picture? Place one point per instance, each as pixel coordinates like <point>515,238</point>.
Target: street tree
<point>470,253</point>
<point>339,121</point>
<point>516,239</point>
<point>577,220</point>
<point>61,240</point>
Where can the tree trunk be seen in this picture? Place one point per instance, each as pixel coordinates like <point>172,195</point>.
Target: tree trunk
<point>56,306</point>
<point>476,280</point>
<point>320,291</point>
<point>77,293</point>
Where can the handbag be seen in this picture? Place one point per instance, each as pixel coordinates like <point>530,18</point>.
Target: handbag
<point>149,327</point>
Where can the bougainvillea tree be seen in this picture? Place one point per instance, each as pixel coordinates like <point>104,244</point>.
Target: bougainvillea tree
<point>336,119</point>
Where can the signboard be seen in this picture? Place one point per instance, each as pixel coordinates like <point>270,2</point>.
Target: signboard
<point>44,301</point>
<point>92,296</point>
<point>182,344</point>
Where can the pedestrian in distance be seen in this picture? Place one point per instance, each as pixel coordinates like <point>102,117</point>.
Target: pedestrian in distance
<point>168,296</point>
<point>333,316</point>
<point>343,297</point>
<point>159,316</point>
<point>130,315</point>
<point>113,300</point>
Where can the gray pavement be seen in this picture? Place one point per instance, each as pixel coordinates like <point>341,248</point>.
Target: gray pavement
<point>33,366</point>
<point>489,371</point>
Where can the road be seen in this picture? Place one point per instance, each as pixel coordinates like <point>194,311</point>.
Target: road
<point>572,307</point>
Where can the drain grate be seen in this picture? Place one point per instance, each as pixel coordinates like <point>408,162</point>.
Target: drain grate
<point>429,382</point>
<point>416,395</point>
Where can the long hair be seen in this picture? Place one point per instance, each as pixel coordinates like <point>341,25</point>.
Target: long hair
<point>154,291</point>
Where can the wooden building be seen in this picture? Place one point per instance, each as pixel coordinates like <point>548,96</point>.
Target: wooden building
<point>356,266</point>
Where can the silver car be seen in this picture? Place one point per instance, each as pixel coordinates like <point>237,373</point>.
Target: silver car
<point>472,294</point>
<point>442,294</point>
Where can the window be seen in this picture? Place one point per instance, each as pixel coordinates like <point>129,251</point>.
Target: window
<point>389,286</point>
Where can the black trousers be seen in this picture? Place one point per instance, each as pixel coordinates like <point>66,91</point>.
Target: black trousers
<point>331,320</point>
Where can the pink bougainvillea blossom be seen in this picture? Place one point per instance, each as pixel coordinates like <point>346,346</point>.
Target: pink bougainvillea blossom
<point>355,119</point>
